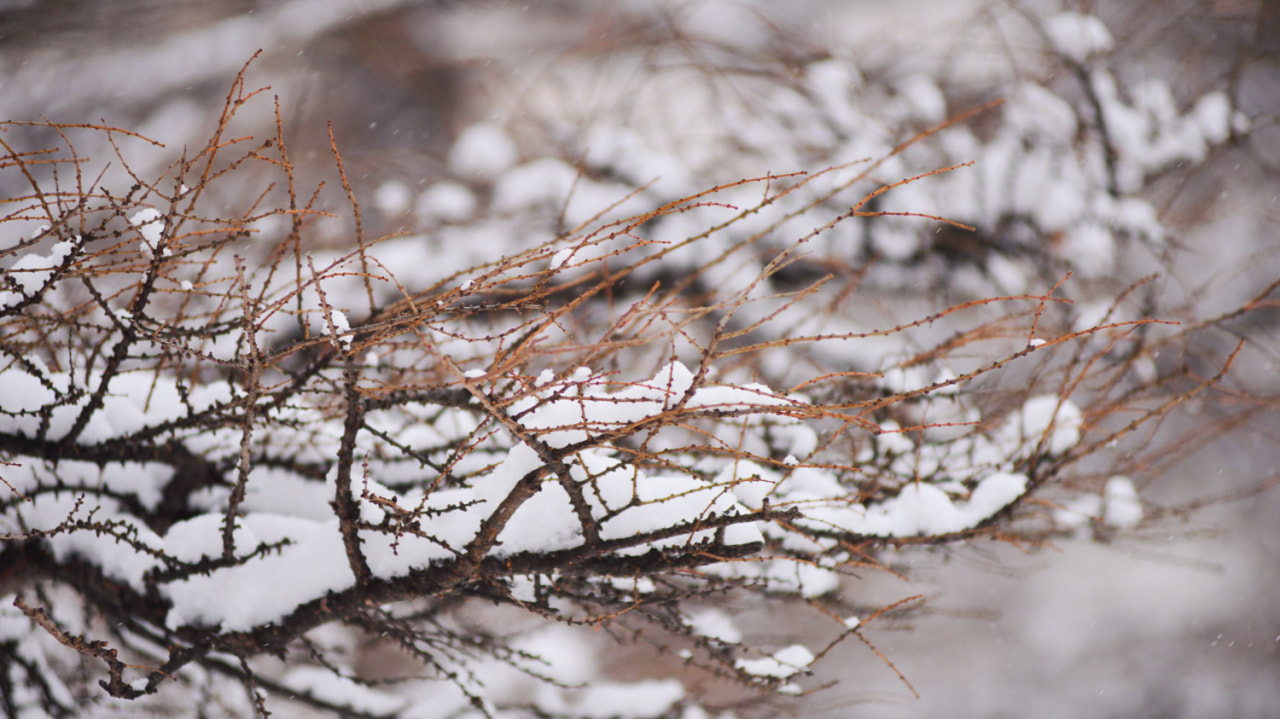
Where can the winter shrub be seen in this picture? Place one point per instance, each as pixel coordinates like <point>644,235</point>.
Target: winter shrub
<point>601,387</point>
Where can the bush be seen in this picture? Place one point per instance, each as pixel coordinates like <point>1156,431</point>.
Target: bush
<point>606,402</point>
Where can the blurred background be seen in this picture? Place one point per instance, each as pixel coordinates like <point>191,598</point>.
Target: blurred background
<point>1177,618</point>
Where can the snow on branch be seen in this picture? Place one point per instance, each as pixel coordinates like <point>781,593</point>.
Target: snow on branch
<point>225,438</point>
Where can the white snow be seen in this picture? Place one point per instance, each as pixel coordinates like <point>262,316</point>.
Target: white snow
<point>33,270</point>
<point>623,152</point>
<point>561,257</point>
<point>803,578</point>
<point>261,591</point>
<point>545,182</point>
<point>921,98</point>
<point>780,665</point>
<point>633,585</point>
<point>482,152</point>
<point>922,508</point>
<point>1091,247</point>
<point>1049,418</point>
<point>151,227</point>
<point>341,327</point>
<point>1122,507</point>
<point>1033,111</point>
<point>117,560</point>
<point>134,401</point>
<point>1119,506</point>
<point>393,198</point>
<point>141,480</point>
<point>715,624</point>
<point>1078,511</point>
<point>1077,35</point>
<point>313,563</point>
<point>446,201</point>
<point>832,82</point>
